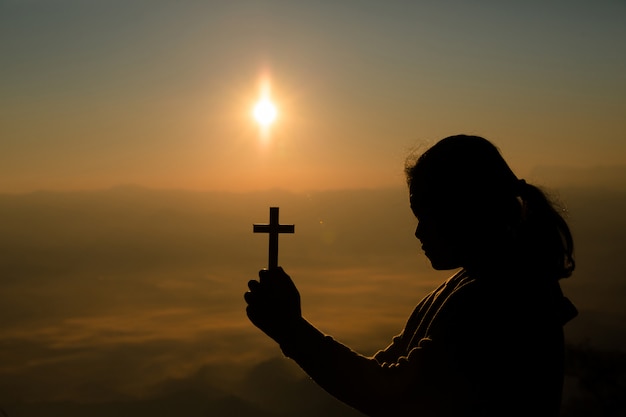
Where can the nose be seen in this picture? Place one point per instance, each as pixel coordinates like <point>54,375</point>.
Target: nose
<point>418,231</point>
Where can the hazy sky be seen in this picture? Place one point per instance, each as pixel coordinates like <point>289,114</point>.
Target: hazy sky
<point>130,292</point>
<point>99,93</point>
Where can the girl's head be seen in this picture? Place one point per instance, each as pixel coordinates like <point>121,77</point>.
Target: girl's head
<point>473,212</point>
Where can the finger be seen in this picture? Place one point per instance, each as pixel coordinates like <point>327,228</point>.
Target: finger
<point>263,274</point>
<point>250,312</point>
<point>254,285</point>
<point>249,297</point>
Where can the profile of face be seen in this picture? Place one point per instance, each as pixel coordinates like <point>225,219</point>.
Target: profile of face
<point>443,233</point>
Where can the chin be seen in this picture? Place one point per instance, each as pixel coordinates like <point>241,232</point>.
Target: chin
<point>443,264</point>
<point>444,267</point>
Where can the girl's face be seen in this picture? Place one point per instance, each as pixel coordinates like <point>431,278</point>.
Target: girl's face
<point>444,233</point>
<point>441,242</point>
<point>459,232</point>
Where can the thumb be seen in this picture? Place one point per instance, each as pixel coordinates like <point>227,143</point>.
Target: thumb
<point>273,275</point>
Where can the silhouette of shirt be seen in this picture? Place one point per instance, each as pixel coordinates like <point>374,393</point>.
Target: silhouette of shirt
<point>476,346</point>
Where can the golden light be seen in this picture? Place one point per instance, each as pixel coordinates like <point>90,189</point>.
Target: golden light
<point>265,112</point>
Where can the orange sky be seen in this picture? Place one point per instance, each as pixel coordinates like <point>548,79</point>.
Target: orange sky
<point>158,94</point>
<point>129,293</point>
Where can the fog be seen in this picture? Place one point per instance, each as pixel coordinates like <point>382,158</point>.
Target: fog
<point>129,301</point>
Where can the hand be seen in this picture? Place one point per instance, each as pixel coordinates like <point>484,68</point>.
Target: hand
<point>273,303</point>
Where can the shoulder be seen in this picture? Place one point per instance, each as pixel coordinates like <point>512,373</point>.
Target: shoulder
<point>478,308</point>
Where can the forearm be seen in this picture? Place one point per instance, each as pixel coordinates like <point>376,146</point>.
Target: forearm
<point>359,381</point>
<point>364,383</point>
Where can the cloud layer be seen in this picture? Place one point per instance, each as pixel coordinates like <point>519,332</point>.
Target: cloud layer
<point>131,294</point>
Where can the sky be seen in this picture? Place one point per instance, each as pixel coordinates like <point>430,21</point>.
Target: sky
<point>95,94</point>
<point>131,171</point>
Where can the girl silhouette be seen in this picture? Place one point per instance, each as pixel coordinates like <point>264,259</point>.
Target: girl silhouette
<point>489,340</point>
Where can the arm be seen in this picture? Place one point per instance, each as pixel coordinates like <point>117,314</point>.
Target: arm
<point>367,385</point>
<point>362,382</point>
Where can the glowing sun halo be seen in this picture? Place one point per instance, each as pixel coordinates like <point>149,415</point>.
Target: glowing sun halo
<point>265,112</point>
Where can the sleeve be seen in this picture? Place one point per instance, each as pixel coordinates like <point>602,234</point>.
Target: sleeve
<point>369,384</point>
<point>392,352</point>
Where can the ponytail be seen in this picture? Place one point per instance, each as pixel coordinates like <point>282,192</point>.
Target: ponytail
<point>546,240</point>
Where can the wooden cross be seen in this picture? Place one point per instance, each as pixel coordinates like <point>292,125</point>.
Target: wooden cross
<point>273,228</point>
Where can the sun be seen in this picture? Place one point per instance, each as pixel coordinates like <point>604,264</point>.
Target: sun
<point>265,112</point>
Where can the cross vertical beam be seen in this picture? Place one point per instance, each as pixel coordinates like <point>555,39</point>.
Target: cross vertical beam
<point>273,228</point>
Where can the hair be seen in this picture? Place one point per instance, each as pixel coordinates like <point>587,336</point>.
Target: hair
<point>471,170</point>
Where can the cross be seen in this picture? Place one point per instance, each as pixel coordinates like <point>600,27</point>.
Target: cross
<point>274,228</point>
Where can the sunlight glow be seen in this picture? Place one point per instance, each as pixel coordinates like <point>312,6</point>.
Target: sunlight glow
<point>265,112</point>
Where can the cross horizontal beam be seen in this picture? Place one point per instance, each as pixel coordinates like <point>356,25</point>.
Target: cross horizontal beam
<point>274,228</point>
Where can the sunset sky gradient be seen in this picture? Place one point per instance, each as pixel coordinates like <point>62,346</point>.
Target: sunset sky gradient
<point>95,94</point>
<point>132,170</point>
